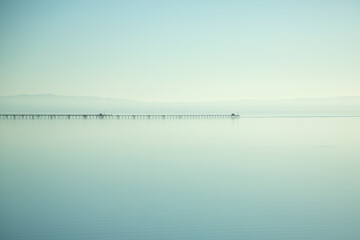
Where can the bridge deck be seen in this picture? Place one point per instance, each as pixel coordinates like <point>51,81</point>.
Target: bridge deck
<point>115,116</point>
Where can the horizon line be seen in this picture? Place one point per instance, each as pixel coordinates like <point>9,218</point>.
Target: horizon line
<point>203,101</point>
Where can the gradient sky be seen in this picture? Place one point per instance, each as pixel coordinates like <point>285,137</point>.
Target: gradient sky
<point>186,50</point>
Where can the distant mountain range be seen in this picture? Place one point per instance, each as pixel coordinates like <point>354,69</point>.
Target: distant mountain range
<point>48,103</point>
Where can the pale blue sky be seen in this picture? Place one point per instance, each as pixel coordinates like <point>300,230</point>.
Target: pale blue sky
<point>180,50</point>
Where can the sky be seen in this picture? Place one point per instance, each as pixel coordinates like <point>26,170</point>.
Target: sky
<point>180,50</point>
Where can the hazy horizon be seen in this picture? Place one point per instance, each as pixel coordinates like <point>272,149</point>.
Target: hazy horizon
<point>204,101</point>
<point>48,103</point>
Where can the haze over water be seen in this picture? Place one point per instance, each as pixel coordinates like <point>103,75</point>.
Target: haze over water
<point>251,178</point>
<point>289,176</point>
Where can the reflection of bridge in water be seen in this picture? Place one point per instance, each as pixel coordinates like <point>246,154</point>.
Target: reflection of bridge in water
<point>117,116</point>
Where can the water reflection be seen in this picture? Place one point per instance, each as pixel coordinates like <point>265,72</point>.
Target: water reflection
<point>180,179</point>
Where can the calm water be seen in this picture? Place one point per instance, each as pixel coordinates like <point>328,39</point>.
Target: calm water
<point>271,178</point>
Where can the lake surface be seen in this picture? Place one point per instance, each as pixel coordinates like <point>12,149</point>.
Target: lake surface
<point>250,178</point>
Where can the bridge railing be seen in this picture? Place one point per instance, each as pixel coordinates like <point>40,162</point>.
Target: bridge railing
<point>116,116</point>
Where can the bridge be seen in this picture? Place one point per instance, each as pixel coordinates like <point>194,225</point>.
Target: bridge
<point>117,116</point>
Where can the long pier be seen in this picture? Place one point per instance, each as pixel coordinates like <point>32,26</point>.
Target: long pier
<point>116,116</point>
